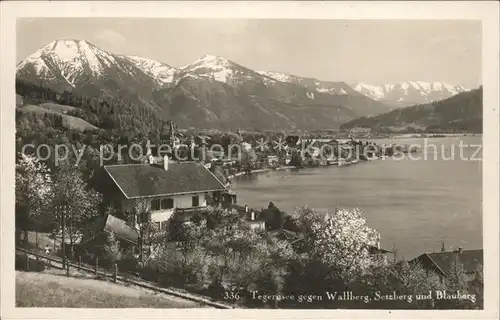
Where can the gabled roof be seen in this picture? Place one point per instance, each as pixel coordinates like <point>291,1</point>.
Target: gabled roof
<point>120,229</point>
<point>146,180</point>
<point>110,224</point>
<point>442,261</point>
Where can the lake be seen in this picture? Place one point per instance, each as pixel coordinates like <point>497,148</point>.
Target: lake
<point>414,204</point>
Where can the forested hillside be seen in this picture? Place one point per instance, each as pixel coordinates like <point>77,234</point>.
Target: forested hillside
<point>460,113</point>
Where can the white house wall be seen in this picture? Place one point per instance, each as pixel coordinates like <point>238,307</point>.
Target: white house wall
<point>186,200</point>
<point>180,201</point>
<point>162,215</point>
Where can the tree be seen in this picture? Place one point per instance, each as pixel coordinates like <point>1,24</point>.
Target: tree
<point>403,278</point>
<point>339,240</point>
<point>150,236</point>
<point>274,217</point>
<point>112,249</point>
<point>457,279</point>
<point>297,158</point>
<point>33,191</point>
<point>477,286</point>
<point>271,258</point>
<point>343,240</point>
<point>73,202</point>
<point>189,259</point>
<point>247,160</point>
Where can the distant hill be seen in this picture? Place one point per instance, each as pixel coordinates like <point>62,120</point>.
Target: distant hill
<point>460,113</point>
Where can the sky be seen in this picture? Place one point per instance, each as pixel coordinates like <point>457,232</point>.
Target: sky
<point>370,51</point>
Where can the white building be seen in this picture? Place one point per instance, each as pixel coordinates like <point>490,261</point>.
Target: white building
<point>162,189</point>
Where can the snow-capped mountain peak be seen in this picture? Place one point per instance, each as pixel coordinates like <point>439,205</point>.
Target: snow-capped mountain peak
<point>214,67</point>
<point>161,72</point>
<point>208,61</point>
<point>409,92</point>
<point>69,59</point>
<point>78,53</point>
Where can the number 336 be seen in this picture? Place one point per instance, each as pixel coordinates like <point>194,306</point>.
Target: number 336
<point>231,296</point>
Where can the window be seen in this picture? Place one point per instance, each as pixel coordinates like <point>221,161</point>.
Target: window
<point>162,204</point>
<point>196,201</point>
<point>155,204</point>
<point>167,203</point>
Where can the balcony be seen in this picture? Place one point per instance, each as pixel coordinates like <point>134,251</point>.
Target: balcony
<point>190,210</point>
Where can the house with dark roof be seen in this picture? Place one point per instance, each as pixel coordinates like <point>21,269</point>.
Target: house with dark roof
<point>440,262</point>
<point>104,226</point>
<point>155,191</point>
<point>95,236</point>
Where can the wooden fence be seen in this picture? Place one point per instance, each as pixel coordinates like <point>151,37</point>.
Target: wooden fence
<point>115,275</point>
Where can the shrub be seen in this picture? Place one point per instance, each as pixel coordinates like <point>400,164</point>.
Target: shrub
<point>34,265</point>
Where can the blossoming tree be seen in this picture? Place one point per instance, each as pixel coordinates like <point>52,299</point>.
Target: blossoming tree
<point>340,240</point>
<point>33,191</point>
<point>73,202</point>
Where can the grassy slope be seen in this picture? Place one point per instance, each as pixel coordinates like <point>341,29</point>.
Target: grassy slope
<point>48,290</point>
<point>60,108</point>
<point>69,122</point>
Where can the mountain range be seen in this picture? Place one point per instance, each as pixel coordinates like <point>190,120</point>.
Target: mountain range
<point>460,113</point>
<point>211,92</point>
<point>409,93</point>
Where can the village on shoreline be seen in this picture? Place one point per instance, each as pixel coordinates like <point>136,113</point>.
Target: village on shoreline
<point>151,216</point>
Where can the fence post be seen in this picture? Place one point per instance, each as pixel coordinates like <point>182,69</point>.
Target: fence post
<point>49,262</point>
<point>79,262</point>
<point>67,268</point>
<point>27,263</point>
<point>96,264</point>
<point>115,275</point>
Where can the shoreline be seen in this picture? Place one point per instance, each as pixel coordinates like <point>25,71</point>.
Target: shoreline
<point>328,163</point>
<point>239,174</point>
<point>283,168</point>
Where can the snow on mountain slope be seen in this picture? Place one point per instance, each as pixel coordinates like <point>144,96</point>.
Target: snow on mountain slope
<point>279,76</point>
<point>210,66</point>
<point>211,91</point>
<point>161,72</point>
<point>219,69</point>
<point>409,92</point>
<point>70,59</point>
<point>330,87</point>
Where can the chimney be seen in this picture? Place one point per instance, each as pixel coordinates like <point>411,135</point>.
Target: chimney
<point>252,215</point>
<point>443,249</point>
<point>460,250</point>
<point>246,209</point>
<point>165,163</point>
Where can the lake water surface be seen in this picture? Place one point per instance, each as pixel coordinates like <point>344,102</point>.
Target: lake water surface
<point>414,204</point>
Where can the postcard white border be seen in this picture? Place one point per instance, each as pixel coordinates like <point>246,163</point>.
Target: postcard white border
<point>486,11</point>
